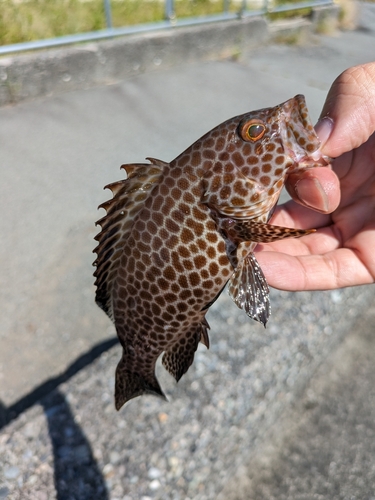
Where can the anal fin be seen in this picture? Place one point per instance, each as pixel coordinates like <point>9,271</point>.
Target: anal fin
<point>180,356</point>
<point>249,290</point>
<point>205,339</point>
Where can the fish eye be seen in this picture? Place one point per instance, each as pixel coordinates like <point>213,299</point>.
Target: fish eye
<point>253,130</point>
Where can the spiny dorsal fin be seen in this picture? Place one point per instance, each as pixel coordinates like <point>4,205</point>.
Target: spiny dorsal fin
<point>159,163</point>
<point>129,196</point>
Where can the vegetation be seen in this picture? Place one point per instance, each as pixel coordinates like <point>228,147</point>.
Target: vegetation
<point>25,20</point>
<point>276,16</point>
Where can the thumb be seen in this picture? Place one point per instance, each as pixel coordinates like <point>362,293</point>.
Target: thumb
<point>348,116</point>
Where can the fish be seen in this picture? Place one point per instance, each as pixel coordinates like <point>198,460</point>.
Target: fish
<point>175,234</point>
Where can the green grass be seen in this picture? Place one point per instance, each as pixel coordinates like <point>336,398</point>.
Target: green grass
<point>276,16</point>
<point>37,19</point>
<point>192,8</point>
<point>25,20</point>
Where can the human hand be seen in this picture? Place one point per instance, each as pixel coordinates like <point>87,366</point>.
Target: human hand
<point>341,252</point>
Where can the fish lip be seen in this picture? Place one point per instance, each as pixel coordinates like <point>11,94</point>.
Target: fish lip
<point>297,102</point>
<point>295,121</point>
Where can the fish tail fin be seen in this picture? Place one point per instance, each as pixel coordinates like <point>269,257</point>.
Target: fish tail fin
<point>130,384</point>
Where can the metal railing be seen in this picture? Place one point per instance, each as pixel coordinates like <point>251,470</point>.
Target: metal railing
<point>171,21</point>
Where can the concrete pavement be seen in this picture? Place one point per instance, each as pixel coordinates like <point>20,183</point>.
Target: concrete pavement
<point>323,447</point>
<point>56,154</point>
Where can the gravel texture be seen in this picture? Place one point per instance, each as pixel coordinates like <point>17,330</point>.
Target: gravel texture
<point>74,445</point>
<point>324,445</point>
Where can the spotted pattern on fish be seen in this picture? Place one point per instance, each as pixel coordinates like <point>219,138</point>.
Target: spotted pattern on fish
<point>175,233</point>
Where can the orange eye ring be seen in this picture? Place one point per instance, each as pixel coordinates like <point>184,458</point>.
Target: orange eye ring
<point>253,130</point>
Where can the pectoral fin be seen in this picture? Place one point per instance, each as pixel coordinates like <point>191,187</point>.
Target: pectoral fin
<point>249,290</point>
<point>259,232</point>
<point>248,287</point>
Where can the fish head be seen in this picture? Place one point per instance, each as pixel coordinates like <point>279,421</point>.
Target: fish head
<point>281,136</point>
<point>261,148</point>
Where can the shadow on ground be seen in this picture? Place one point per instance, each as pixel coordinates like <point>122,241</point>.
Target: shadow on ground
<point>7,414</point>
<point>76,472</point>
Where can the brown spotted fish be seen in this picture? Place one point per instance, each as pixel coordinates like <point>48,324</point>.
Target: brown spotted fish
<point>175,233</point>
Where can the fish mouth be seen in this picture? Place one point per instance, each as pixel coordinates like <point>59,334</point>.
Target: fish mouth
<point>298,136</point>
<point>296,110</point>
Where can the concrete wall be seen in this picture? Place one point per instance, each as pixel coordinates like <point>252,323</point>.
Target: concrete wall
<point>48,72</point>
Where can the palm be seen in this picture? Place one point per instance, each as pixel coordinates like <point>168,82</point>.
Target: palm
<point>341,252</point>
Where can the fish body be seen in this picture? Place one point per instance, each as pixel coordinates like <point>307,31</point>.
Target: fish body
<point>175,234</point>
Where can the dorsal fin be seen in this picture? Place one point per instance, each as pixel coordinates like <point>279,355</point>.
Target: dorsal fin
<point>129,196</point>
<point>158,163</point>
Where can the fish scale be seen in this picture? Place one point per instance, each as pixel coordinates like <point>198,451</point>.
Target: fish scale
<point>175,233</point>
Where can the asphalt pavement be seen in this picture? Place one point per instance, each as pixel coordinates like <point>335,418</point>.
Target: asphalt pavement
<point>245,404</point>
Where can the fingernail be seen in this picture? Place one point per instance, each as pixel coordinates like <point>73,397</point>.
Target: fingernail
<point>311,194</point>
<point>323,129</point>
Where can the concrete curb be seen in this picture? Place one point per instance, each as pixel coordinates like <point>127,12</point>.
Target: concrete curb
<point>61,70</point>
